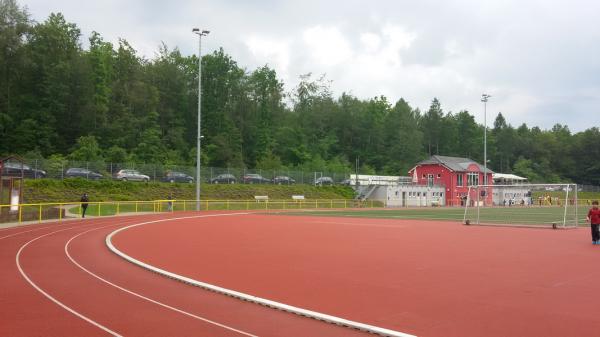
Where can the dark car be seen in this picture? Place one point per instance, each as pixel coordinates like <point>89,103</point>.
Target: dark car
<point>283,180</point>
<point>255,179</point>
<point>178,177</point>
<point>224,178</point>
<point>14,170</point>
<point>82,173</point>
<point>323,181</point>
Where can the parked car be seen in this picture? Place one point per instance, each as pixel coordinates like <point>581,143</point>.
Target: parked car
<point>348,182</point>
<point>131,175</point>
<point>224,178</point>
<point>255,179</point>
<point>177,177</point>
<point>14,170</point>
<point>323,181</point>
<point>82,173</point>
<point>283,180</point>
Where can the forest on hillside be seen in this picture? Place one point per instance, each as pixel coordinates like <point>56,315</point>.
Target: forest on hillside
<point>107,103</point>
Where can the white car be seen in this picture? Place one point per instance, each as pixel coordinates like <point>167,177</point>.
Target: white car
<point>131,175</point>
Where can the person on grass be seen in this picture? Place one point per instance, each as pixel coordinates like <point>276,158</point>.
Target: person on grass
<point>594,218</point>
<point>84,204</point>
<point>170,203</point>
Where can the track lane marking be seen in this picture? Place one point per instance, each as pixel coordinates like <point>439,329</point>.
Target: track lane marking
<point>32,230</point>
<point>358,224</point>
<point>50,297</point>
<point>243,296</point>
<point>142,296</point>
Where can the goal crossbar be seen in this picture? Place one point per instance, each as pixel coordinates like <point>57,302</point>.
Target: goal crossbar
<point>537,205</point>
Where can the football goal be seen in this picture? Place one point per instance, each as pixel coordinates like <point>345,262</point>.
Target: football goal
<point>552,205</point>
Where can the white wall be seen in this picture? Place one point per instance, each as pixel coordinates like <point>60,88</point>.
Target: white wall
<point>414,196</point>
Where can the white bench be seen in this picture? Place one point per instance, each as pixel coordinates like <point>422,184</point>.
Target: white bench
<point>260,198</point>
<point>297,197</point>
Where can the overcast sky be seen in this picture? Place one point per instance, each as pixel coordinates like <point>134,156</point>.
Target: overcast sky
<point>539,59</point>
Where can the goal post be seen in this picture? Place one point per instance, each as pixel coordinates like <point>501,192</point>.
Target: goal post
<point>539,205</point>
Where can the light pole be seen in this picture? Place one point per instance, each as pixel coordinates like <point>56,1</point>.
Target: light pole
<point>200,34</point>
<point>484,99</point>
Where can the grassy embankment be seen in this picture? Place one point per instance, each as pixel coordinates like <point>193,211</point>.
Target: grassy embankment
<point>70,190</point>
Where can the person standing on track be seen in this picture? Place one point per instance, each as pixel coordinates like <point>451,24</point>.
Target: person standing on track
<point>594,218</point>
<point>84,204</point>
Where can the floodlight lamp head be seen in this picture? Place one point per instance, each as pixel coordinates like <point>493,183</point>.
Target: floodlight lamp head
<point>205,32</point>
<point>484,97</point>
<point>195,30</point>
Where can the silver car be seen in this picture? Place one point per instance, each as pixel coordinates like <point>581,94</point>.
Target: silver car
<point>131,175</point>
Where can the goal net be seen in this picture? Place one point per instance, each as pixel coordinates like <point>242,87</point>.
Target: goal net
<point>552,205</point>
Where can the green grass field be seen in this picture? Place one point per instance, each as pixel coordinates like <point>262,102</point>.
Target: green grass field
<point>543,216</point>
<point>113,208</point>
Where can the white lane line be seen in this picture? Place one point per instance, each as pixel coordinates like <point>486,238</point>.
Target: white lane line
<point>144,297</point>
<point>246,297</point>
<point>33,230</point>
<point>17,226</point>
<point>50,297</point>
<point>359,224</point>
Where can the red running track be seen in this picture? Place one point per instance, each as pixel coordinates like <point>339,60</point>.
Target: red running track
<point>419,277</point>
<point>61,280</point>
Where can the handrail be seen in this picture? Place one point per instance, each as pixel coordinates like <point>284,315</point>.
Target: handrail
<point>168,200</point>
<point>60,210</point>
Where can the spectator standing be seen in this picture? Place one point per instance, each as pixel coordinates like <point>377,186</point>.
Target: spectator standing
<point>84,204</point>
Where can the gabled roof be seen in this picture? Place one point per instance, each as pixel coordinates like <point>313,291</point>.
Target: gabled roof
<point>455,164</point>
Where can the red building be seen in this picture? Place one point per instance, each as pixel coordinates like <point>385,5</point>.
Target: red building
<point>455,174</point>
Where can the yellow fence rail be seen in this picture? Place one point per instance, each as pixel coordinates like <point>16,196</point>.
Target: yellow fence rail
<point>38,212</point>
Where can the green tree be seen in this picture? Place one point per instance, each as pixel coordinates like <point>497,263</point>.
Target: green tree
<point>269,162</point>
<point>59,92</point>
<point>116,154</point>
<point>86,149</point>
<point>504,136</point>
<point>101,56</point>
<point>524,168</point>
<point>403,139</point>
<point>470,137</point>
<point>431,126</point>
<point>15,27</point>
